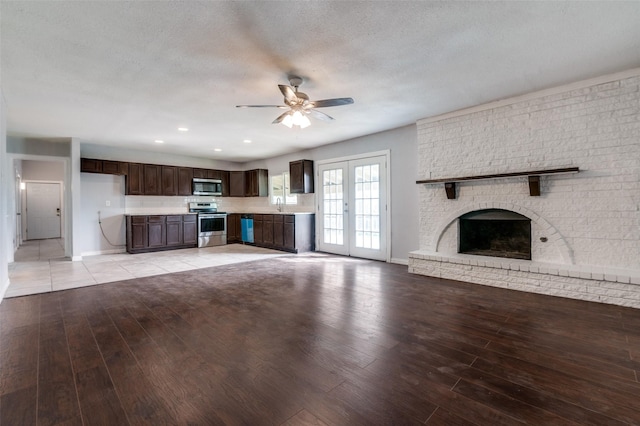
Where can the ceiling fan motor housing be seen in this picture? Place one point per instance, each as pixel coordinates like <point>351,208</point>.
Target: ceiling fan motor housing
<point>295,81</point>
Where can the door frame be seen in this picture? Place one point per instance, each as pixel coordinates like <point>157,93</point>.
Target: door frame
<point>17,199</point>
<point>67,198</point>
<point>23,204</point>
<point>318,187</point>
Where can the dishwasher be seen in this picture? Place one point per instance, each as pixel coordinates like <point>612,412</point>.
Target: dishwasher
<point>246,228</point>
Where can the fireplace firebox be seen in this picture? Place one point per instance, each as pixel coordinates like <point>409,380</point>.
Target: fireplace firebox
<point>495,232</point>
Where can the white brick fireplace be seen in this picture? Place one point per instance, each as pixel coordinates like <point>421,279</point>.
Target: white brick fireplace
<point>585,226</point>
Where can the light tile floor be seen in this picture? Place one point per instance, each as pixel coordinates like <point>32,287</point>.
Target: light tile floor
<point>40,265</point>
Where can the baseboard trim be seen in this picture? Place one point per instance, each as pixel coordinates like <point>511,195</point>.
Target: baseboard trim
<point>400,261</point>
<point>99,252</point>
<point>4,289</point>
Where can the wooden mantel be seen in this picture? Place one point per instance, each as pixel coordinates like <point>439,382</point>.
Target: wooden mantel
<point>533,175</point>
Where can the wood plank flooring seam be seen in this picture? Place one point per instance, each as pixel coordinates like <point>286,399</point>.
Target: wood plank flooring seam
<point>106,367</point>
<point>73,373</point>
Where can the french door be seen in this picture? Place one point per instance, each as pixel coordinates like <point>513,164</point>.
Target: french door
<point>353,207</point>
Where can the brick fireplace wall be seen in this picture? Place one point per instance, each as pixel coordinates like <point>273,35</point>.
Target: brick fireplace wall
<point>585,226</point>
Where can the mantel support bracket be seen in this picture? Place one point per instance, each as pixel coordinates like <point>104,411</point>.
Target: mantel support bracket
<point>450,188</point>
<point>534,186</point>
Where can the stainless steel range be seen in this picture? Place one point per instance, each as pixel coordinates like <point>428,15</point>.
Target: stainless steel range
<point>212,224</point>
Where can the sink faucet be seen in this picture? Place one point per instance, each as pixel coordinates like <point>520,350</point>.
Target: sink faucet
<point>279,204</point>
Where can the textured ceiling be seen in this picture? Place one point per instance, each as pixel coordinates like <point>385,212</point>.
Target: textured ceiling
<point>127,73</point>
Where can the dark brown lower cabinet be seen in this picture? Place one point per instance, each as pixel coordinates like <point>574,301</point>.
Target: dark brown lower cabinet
<point>278,230</point>
<point>156,231</point>
<point>234,233</point>
<point>174,230</point>
<point>257,229</point>
<point>136,233</point>
<point>161,232</point>
<point>267,230</point>
<point>190,229</point>
<point>288,232</point>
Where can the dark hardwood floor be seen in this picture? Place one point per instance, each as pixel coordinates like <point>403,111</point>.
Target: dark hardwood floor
<point>315,340</point>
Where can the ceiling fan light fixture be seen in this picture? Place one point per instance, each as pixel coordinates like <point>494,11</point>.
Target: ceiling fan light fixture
<point>300,106</point>
<point>297,118</point>
<point>304,122</point>
<point>288,121</point>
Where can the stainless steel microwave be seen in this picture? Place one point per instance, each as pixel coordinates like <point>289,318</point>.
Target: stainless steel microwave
<point>207,186</point>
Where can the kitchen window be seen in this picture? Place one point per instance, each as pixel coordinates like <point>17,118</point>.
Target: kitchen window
<point>280,188</point>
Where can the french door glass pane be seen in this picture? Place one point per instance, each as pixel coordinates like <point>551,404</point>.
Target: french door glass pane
<point>367,198</point>
<point>333,202</point>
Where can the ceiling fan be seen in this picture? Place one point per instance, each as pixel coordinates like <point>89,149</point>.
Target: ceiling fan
<point>299,106</point>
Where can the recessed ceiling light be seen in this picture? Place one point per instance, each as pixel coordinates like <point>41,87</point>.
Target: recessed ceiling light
<point>183,129</point>
<point>158,141</point>
<point>247,141</point>
<point>217,149</point>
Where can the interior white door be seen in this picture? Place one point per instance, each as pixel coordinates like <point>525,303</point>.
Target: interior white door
<point>43,210</point>
<point>353,208</point>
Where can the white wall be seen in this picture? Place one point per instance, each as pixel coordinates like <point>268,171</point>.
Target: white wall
<point>7,222</point>
<point>96,190</point>
<point>43,170</point>
<point>39,147</point>
<point>590,219</point>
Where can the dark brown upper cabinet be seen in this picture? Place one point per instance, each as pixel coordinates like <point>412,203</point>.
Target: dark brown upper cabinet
<point>224,177</point>
<point>301,177</point>
<point>256,183</point>
<point>185,177</point>
<point>157,179</point>
<point>89,165</point>
<point>236,184</point>
<point>135,179</point>
<point>152,179</point>
<point>115,167</point>
<point>108,167</point>
<point>169,180</point>
<point>200,173</point>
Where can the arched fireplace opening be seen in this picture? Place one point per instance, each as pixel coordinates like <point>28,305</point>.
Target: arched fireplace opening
<point>495,232</point>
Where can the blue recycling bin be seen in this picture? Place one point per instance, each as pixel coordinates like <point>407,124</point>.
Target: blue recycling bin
<point>246,226</point>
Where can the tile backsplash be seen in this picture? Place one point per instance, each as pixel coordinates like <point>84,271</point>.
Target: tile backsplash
<point>138,204</point>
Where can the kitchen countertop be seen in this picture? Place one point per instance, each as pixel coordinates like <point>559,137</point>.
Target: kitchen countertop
<point>188,213</point>
<point>279,213</point>
<point>159,214</point>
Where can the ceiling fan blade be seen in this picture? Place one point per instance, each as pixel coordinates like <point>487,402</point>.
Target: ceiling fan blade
<point>331,102</point>
<point>288,93</point>
<point>319,115</point>
<point>262,106</point>
<point>280,118</point>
